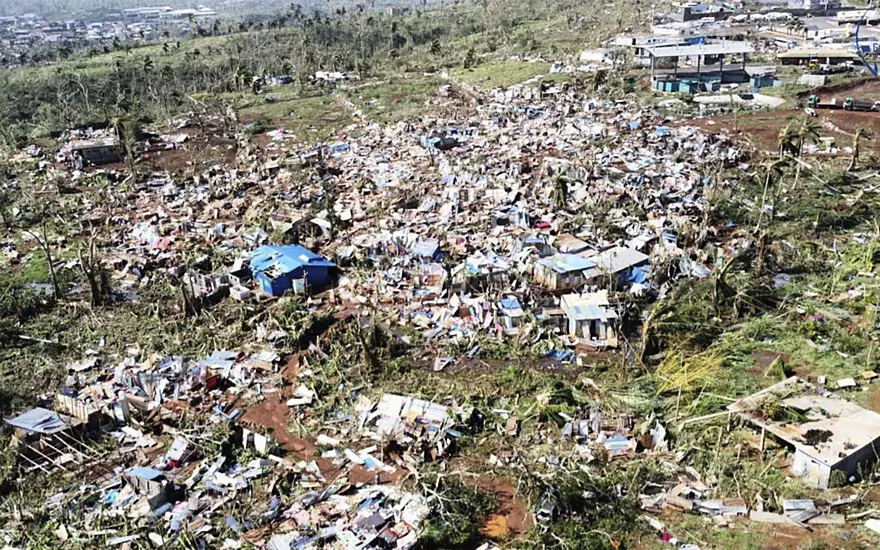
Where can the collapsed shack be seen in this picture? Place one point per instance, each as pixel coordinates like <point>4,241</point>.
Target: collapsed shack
<point>94,152</point>
<point>47,440</point>
<point>830,436</point>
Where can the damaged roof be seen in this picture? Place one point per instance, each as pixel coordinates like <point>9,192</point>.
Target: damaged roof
<point>852,427</point>
<point>39,420</point>
<point>285,258</point>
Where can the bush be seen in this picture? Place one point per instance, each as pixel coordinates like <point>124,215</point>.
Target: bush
<point>456,523</point>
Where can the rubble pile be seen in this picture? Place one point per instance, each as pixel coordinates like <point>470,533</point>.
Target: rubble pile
<point>530,219</point>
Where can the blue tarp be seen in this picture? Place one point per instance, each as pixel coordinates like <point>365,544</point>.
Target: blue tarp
<point>638,275</point>
<point>510,303</point>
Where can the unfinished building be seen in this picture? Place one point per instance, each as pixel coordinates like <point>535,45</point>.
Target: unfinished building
<point>828,433</point>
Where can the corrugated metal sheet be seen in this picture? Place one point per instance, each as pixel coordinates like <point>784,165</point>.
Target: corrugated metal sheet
<point>566,263</point>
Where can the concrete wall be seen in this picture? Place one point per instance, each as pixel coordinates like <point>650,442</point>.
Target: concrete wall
<point>866,456</point>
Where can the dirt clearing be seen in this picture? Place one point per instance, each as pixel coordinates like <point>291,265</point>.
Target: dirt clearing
<point>763,128</point>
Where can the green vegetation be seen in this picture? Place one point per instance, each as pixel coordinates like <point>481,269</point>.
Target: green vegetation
<point>791,247</point>
<point>160,81</point>
<point>500,74</point>
<point>310,119</point>
<point>393,98</point>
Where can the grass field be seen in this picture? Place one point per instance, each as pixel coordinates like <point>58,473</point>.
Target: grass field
<point>309,118</point>
<point>396,98</point>
<point>494,74</point>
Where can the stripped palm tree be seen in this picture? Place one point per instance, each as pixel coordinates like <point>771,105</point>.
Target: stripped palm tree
<point>772,176</point>
<point>854,161</point>
<point>787,142</point>
<point>807,131</point>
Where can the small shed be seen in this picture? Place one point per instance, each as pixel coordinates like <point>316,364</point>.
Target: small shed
<point>591,318</point>
<point>45,439</point>
<point>511,314</point>
<point>278,269</point>
<point>38,421</point>
<point>766,80</point>
<point>562,271</point>
<point>96,151</point>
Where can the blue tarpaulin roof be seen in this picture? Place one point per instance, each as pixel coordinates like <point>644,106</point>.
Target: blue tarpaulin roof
<point>510,303</point>
<point>565,263</point>
<point>285,258</point>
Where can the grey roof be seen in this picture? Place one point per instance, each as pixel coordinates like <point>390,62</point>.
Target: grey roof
<point>39,420</point>
<point>615,260</point>
<point>79,145</point>
<point>565,263</point>
<point>728,47</point>
<point>588,312</point>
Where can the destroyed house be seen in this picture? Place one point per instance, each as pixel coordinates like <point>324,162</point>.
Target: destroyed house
<point>278,269</point>
<point>562,271</point>
<point>96,152</point>
<point>46,439</point>
<point>828,433</point>
<point>424,425</point>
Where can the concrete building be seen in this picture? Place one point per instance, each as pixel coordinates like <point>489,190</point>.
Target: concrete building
<point>591,319</point>
<point>834,435</point>
<point>704,55</point>
<point>805,56</point>
<point>814,5</point>
<point>96,151</point>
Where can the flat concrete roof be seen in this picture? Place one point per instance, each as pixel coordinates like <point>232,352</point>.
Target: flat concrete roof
<point>813,52</point>
<point>852,427</point>
<point>727,47</point>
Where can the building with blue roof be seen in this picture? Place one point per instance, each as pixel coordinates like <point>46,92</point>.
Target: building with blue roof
<point>561,271</point>
<point>278,269</point>
<point>591,319</point>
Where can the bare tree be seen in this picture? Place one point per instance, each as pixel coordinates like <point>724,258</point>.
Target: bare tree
<point>95,274</point>
<point>43,240</point>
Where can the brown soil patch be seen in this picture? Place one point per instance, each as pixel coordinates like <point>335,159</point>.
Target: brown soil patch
<point>193,156</point>
<point>513,517</point>
<point>361,475</point>
<point>867,88</point>
<point>271,415</point>
<point>763,128</point>
<point>290,370</point>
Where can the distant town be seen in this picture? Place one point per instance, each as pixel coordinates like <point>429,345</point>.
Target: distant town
<point>32,38</point>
